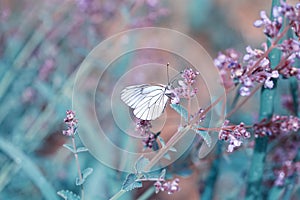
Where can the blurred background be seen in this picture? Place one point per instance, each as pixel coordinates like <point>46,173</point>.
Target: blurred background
<point>42,44</point>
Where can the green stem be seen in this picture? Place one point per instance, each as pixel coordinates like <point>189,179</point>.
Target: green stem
<point>78,166</point>
<point>118,195</point>
<point>177,136</point>
<point>174,139</point>
<point>212,176</point>
<point>30,168</point>
<point>266,111</point>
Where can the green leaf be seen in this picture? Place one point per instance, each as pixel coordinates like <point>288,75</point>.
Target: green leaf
<point>85,174</point>
<point>155,146</point>
<point>69,147</point>
<point>141,163</point>
<point>162,142</point>
<point>131,183</point>
<point>82,149</point>
<point>204,134</point>
<point>173,149</point>
<point>29,167</point>
<point>167,156</point>
<point>68,195</point>
<point>180,110</point>
<point>157,174</point>
<point>163,174</point>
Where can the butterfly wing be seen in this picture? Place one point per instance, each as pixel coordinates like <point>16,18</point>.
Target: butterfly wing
<point>148,101</point>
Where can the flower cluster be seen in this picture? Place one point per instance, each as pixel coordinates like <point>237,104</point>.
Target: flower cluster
<point>143,128</point>
<point>255,64</point>
<point>291,13</point>
<point>149,140</point>
<point>185,89</point>
<point>255,68</point>
<point>277,125</point>
<point>233,134</point>
<point>285,157</point>
<point>272,27</point>
<point>287,169</point>
<point>71,122</point>
<point>229,66</point>
<point>290,49</point>
<point>169,187</point>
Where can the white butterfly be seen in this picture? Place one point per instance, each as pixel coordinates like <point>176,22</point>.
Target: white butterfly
<point>148,101</point>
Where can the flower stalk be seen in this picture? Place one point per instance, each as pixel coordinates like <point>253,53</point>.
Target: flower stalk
<point>266,111</point>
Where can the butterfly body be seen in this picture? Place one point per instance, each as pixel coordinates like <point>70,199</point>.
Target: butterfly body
<point>147,101</point>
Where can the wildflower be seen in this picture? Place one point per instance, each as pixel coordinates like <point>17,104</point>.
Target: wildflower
<point>71,122</point>
<point>149,140</point>
<point>185,89</point>
<point>290,49</point>
<point>143,127</point>
<point>169,187</point>
<point>233,134</point>
<point>277,125</point>
<point>255,68</point>
<point>284,157</point>
<point>271,27</point>
<point>229,67</point>
<point>189,76</point>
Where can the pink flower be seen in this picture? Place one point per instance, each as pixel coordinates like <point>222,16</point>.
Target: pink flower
<point>71,122</point>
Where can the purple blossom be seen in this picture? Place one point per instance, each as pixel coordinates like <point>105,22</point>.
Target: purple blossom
<point>185,89</point>
<point>285,156</point>
<point>189,76</point>
<point>169,187</point>
<point>149,140</point>
<point>276,126</point>
<point>71,122</point>
<point>269,82</point>
<point>271,27</point>
<point>229,66</point>
<point>143,127</point>
<point>233,135</point>
<point>291,13</point>
<point>255,68</point>
<point>290,48</point>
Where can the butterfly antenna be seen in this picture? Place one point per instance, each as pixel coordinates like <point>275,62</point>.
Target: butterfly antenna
<point>175,78</point>
<point>168,64</point>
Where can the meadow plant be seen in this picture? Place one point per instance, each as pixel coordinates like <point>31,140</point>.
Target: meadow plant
<point>244,155</point>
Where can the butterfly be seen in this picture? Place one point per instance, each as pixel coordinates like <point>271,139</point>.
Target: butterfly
<point>147,101</point>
